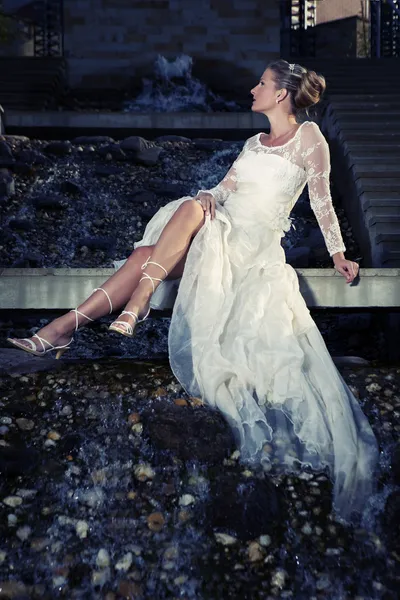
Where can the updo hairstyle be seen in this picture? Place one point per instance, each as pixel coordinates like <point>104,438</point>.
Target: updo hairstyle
<point>305,87</point>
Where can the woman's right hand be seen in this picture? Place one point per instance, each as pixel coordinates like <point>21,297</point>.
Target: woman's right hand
<point>207,202</point>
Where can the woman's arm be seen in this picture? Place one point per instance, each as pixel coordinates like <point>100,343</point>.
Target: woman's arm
<point>316,159</point>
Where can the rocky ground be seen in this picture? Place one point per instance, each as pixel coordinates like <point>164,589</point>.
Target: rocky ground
<point>115,484</point>
<point>85,203</point>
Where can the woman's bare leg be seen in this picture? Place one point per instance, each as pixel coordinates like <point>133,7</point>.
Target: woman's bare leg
<point>170,251</point>
<point>119,287</point>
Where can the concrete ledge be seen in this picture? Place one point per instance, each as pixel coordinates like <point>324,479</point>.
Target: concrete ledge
<point>45,289</point>
<point>113,120</point>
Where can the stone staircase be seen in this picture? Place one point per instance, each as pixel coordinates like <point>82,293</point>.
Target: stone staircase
<point>362,122</point>
<point>30,83</point>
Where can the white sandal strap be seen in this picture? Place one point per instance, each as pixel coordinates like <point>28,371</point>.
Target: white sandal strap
<point>42,341</point>
<point>77,312</point>
<point>151,279</point>
<point>151,262</point>
<point>108,298</point>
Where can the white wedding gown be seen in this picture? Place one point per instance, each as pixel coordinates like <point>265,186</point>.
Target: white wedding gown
<point>241,335</point>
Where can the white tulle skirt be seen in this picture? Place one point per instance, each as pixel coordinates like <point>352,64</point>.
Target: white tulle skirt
<point>242,338</point>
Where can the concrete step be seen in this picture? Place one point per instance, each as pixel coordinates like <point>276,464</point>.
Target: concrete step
<point>385,223</point>
<point>391,258</point>
<point>363,97</point>
<point>378,169</point>
<point>383,128</point>
<point>378,185</point>
<point>382,212</point>
<point>368,112</point>
<point>370,136</point>
<point>389,196</point>
<point>388,238</point>
<point>369,161</point>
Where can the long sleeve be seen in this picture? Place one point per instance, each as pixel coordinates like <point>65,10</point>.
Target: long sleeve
<point>227,185</point>
<point>316,160</point>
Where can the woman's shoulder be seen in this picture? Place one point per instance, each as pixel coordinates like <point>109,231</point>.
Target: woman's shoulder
<point>311,133</point>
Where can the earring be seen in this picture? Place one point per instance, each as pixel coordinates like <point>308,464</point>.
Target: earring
<point>277,101</point>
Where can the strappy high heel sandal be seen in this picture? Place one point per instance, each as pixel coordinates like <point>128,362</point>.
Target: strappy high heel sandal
<point>125,328</point>
<point>33,348</point>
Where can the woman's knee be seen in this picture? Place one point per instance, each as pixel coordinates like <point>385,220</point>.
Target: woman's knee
<point>192,210</point>
<point>142,253</point>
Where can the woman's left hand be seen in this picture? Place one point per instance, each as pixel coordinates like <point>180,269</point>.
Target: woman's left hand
<point>347,268</point>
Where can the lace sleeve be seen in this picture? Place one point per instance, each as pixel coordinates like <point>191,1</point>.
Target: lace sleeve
<point>316,161</point>
<point>227,185</point>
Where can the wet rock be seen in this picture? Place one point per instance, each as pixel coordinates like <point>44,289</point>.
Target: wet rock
<point>107,170</point>
<point>143,472</point>
<point>250,507</point>
<point>254,552</point>
<point>17,460</point>
<point>81,529</point>
<point>5,150</point>
<point>125,562</point>
<point>103,558</point>
<point>72,188</point>
<point>169,190</point>
<point>173,138</point>
<point>21,224</point>
<point>114,150</point>
<point>12,589</point>
<point>225,539</point>
<point>92,139</point>
<point>106,244</point>
<point>391,520</point>
<point>25,424</point>
<point>194,434</point>
<point>135,144</point>
<point>141,196</point>
<point>12,501</point>
<point>130,590</point>
<point>298,257</point>
<point>7,185</point>
<point>32,157</point>
<point>58,148</point>
<point>207,144</point>
<point>29,260</point>
<point>44,202</point>
<point>148,157</point>
<point>155,521</point>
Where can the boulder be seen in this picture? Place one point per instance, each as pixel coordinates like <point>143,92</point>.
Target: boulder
<point>191,434</point>
<point>135,144</point>
<point>246,506</point>
<point>58,148</point>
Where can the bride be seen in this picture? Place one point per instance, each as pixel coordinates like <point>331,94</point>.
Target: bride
<point>241,336</point>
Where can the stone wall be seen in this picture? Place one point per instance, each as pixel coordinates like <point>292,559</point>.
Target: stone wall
<point>113,43</point>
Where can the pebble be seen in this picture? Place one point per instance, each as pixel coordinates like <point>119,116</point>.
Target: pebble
<point>187,500</point>
<point>137,428</point>
<point>103,558</point>
<point>373,387</point>
<point>265,540</point>
<point>81,529</point>
<point>155,521</point>
<point>255,552</point>
<point>278,578</point>
<point>99,578</point>
<point>144,471</point>
<point>53,435</point>
<point>25,424</point>
<point>3,556</point>
<point>134,418</point>
<point>5,420</point>
<point>12,520</point>
<point>23,532</point>
<point>125,562</point>
<point>225,539</point>
<point>12,501</point>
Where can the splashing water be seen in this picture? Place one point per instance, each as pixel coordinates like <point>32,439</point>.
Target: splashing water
<point>174,89</point>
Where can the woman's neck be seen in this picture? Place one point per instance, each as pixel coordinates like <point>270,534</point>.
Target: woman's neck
<point>280,126</point>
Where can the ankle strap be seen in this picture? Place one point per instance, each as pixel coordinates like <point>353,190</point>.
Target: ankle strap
<point>151,262</point>
<point>77,312</point>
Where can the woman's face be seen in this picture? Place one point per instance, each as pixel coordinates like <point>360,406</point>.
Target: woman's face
<point>265,93</point>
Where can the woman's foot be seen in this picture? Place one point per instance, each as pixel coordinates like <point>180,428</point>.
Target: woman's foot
<point>57,333</point>
<point>129,318</point>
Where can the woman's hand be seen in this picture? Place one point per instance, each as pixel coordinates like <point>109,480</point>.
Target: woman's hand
<point>347,268</point>
<point>207,202</point>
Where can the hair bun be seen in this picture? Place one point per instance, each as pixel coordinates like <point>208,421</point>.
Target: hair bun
<point>310,90</point>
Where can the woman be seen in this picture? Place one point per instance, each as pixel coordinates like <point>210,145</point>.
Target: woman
<point>241,336</point>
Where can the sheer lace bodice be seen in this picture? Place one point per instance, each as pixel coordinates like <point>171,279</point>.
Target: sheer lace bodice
<point>276,175</point>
